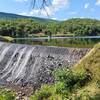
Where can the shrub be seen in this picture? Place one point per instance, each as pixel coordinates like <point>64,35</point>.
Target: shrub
<point>56,97</point>
<point>82,78</point>
<point>60,88</point>
<point>65,76</point>
<point>71,79</point>
<point>6,95</point>
<point>45,92</point>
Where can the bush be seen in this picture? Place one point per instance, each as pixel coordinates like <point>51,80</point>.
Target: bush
<point>60,88</point>
<point>6,95</point>
<point>45,92</point>
<point>56,97</point>
<point>71,79</point>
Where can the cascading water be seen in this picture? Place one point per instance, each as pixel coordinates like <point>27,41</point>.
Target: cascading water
<point>34,64</point>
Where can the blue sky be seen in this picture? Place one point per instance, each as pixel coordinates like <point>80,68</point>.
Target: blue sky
<point>60,9</point>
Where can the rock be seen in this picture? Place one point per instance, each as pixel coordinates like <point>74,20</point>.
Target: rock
<point>25,64</point>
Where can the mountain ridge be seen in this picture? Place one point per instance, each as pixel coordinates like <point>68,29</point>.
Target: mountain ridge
<point>4,15</point>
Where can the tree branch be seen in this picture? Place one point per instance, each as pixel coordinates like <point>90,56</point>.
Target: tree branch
<point>44,4</point>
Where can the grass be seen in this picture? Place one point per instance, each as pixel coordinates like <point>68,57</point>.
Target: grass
<point>6,38</point>
<point>91,64</point>
<point>6,94</point>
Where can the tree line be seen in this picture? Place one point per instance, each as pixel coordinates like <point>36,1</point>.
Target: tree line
<point>25,27</point>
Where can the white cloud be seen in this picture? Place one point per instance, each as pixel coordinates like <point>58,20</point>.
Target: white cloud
<point>86,6</point>
<point>97,2</point>
<point>55,6</point>
<point>21,0</point>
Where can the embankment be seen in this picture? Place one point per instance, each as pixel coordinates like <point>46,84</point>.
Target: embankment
<point>25,64</point>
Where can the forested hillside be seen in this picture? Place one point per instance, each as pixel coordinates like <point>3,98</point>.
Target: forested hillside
<point>82,27</point>
<point>24,27</point>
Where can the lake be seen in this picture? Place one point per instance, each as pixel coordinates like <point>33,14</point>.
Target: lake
<point>81,42</point>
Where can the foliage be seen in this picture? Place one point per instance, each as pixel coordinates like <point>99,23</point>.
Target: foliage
<point>6,95</point>
<point>70,79</point>
<point>26,27</point>
<point>90,63</point>
<point>98,83</point>
<point>42,94</point>
<point>96,97</point>
<point>81,27</point>
<point>66,83</point>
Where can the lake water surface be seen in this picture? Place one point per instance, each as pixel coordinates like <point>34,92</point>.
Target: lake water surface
<point>85,41</point>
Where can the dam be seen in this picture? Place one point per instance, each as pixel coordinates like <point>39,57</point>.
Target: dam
<point>27,64</point>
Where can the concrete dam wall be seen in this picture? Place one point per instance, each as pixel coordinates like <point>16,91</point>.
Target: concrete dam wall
<point>25,64</point>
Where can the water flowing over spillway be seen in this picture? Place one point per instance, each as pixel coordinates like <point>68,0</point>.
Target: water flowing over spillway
<point>34,64</point>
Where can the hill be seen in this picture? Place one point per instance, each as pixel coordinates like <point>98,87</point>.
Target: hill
<point>4,15</point>
<point>81,26</point>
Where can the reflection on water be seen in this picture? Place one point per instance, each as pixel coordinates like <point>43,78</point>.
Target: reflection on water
<point>61,41</point>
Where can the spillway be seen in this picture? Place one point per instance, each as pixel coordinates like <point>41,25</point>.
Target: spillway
<point>34,64</point>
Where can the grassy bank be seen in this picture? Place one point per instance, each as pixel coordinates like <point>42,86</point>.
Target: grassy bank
<point>6,38</point>
<point>91,64</point>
